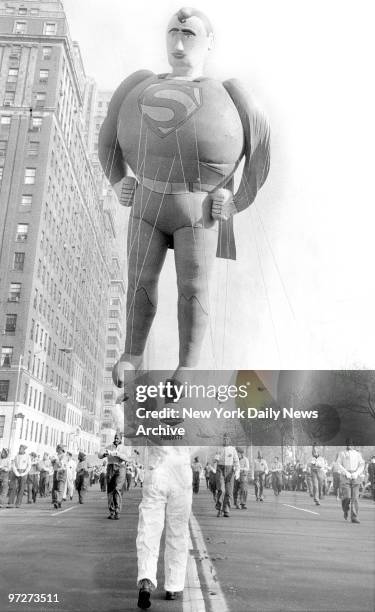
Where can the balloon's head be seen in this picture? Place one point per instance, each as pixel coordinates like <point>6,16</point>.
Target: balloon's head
<point>189,39</point>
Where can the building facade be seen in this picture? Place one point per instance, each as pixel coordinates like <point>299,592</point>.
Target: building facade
<point>56,238</point>
<point>112,420</point>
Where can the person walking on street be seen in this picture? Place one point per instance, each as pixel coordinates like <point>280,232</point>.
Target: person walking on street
<point>227,468</point>
<point>44,466</point>
<point>59,475</point>
<point>351,466</point>
<point>371,475</point>
<point>207,470</point>
<point>117,454</point>
<point>129,473</point>
<point>335,478</point>
<point>70,476</point>
<point>141,475</point>
<point>240,484</point>
<point>260,472</point>
<point>166,503</point>
<point>82,477</point>
<point>197,468</point>
<point>317,466</point>
<point>18,476</point>
<point>33,479</point>
<point>277,475</point>
<point>4,475</point>
<point>103,477</point>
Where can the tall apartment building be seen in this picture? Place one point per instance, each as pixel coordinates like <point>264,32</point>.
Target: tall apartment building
<point>96,106</point>
<point>56,240</point>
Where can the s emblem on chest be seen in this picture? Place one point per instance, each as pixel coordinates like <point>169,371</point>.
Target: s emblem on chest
<point>166,106</point>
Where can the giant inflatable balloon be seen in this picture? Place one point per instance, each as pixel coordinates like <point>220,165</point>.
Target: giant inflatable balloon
<point>183,136</point>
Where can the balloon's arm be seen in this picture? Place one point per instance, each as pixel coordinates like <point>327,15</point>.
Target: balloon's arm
<point>256,147</point>
<point>109,150</point>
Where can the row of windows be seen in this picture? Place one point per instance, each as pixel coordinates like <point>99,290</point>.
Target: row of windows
<point>13,75</point>
<point>49,28</point>
<point>40,97</point>
<point>29,433</point>
<point>32,148</point>
<point>42,371</point>
<point>22,10</point>
<point>16,50</point>
<point>37,432</point>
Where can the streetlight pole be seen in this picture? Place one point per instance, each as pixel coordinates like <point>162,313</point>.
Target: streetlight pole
<point>20,363</point>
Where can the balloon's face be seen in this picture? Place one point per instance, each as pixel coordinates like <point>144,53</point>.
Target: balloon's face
<point>187,43</point>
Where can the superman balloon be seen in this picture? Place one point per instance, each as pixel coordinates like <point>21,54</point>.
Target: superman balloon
<point>183,136</point>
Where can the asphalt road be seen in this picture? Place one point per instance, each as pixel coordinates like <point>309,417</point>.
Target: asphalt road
<point>270,558</point>
<point>274,557</point>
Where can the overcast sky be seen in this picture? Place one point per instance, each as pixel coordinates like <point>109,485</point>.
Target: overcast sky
<point>302,292</point>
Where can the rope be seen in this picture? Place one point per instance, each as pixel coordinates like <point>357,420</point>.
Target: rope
<point>264,282</point>
<point>152,232</point>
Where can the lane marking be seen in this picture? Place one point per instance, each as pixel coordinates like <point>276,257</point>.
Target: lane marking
<point>215,594</point>
<point>193,600</point>
<point>303,509</point>
<point>62,511</point>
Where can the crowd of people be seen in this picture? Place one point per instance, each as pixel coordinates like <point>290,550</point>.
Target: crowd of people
<point>28,476</point>
<point>229,474</point>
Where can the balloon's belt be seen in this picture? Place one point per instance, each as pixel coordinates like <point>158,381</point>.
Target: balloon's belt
<point>168,188</point>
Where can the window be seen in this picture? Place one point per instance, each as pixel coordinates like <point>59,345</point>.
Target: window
<point>3,147</point>
<point>33,148</point>
<point>15,52</point>
<point>36,124</point>
<point>4,390</point>
<point>9,98</point>
<point>2,416</point>
<point>14,292</point>
<point>111,354</point>
<point>19,261</point>
<point>50,28</point>
<point>22,10</point>
<point>30,176</point>
<point>47,53</point>
<point>43,75</point>
<point>40,99</point>
<point>6,356</point>
<point>26,200</point>
<point>19,27</point>
<point>5,121</point>
<point>22,231</point>
<point>12,75</point>
<point>1,173</point>
<point>114,314</point>
<point>114,302</point>
<point>10,323</point>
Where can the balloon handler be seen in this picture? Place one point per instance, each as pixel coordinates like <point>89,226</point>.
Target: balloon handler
<point>183,136</point>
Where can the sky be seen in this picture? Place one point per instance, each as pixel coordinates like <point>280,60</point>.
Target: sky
<point>301,294</point>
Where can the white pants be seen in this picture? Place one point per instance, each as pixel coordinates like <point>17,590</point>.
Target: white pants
<point>69,487</point>
<point>167,497</point>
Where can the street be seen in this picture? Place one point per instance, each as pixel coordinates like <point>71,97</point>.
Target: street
<point>284,554</point>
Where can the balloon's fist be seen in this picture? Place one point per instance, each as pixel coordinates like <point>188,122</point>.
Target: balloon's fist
<point>125,190</point>
<point>223,207</point>
<point>123,372</point>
